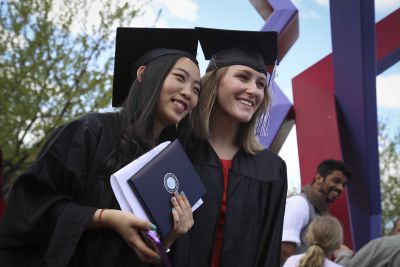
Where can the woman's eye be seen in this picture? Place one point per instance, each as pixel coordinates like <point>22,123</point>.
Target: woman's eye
<point>180,77</point>
<point>261,85</point>
<point>242,77</point>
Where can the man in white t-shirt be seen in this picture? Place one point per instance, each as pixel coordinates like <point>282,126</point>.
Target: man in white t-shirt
<point>314,200</point>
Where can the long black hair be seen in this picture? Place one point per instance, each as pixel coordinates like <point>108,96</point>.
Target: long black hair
<point>138,115</point>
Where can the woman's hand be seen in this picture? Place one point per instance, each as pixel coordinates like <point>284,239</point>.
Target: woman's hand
<point>127,225</point>
<point>182,216</point>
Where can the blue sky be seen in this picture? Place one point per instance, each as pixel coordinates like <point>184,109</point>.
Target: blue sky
<point>313,44</point>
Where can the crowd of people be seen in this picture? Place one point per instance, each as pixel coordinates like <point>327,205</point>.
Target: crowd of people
<point>312,237</point>
<point>62,211</point>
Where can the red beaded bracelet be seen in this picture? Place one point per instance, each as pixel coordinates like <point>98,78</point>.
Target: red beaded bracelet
<point>99,220</point>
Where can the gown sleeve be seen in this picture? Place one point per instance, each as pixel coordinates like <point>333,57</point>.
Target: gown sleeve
<point>45,214</point>
<point>271,236</point>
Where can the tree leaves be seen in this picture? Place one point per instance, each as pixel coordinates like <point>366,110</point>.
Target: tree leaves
<point>389,160</point>
<point>56,64</point>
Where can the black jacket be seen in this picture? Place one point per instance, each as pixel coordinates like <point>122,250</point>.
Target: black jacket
<point>256,194</point>
<point>50,204</point>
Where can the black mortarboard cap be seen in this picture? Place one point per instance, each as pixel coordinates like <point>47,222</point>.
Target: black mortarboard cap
<point>136,47</point>
<point>255,49</point>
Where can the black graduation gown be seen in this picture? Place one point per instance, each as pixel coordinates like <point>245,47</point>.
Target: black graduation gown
<point>255,206</point>
<point>51,204</point>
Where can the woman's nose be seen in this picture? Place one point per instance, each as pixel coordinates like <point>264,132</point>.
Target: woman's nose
<point>186,91</point>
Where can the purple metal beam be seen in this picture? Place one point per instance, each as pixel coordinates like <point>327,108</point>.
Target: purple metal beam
<point>316,85</point>
<point>354,62</point>
<point>281,120</point>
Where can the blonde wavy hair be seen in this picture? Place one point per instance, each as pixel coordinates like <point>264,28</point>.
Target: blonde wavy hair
<point>200,117</point>
<point>324,235</point>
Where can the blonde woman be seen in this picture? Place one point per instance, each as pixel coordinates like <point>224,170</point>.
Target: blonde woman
<point>324,235</point>
<point>240,223</point>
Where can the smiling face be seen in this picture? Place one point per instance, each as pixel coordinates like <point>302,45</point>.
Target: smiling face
<point>179,93</point>
<point>331,186</point>
<point>240,93</point>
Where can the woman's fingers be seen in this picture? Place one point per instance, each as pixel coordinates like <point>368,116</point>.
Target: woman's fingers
<point>176,203</point>
<point>187,204</point>
<point>177,221</point>
<point>188,215</point>
<point>128,226</point>
<point>181,213</point>
<point>137,243</point>
<point>142,224</point>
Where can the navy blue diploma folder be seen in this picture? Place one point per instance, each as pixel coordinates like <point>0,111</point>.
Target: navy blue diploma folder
<point>169,171</point>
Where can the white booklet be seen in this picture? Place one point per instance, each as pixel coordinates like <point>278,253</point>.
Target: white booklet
<point>126,197</point>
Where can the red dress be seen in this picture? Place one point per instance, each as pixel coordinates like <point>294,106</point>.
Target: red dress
<point>219,235</point>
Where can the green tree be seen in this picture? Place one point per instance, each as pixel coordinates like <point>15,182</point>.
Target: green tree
<point>389,158</point>
<point>56,62</point>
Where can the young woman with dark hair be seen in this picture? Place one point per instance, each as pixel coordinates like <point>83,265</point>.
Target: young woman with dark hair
<point>62,211</point>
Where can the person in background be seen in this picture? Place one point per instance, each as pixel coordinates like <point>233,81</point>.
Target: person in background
<point>240,222</point>
<point>314,200</point>
<point>380,252</point>
<point>324,235</point>
<point>396,227</point>
<point>62,211</point>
